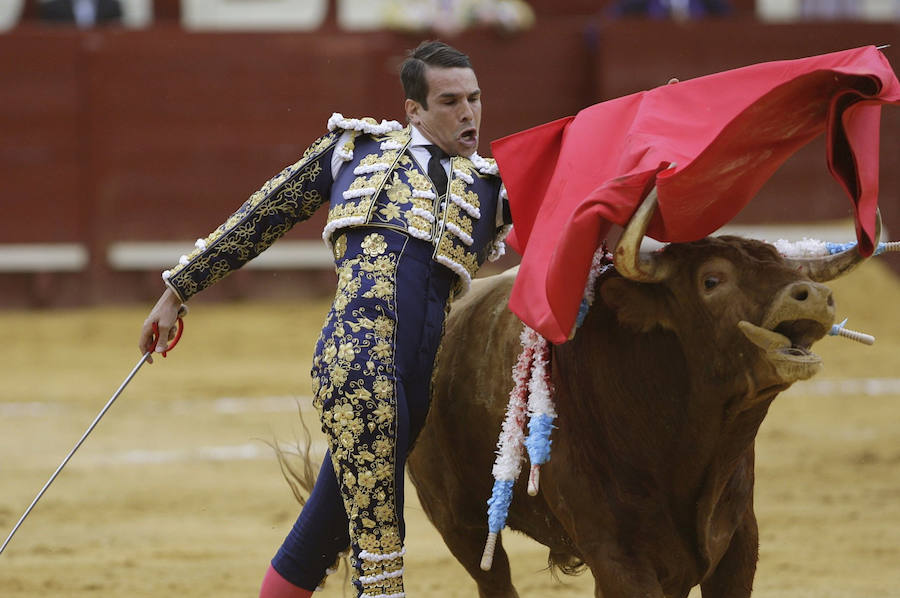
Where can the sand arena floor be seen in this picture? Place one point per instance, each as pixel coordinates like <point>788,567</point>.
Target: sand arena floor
<point>177,494</point>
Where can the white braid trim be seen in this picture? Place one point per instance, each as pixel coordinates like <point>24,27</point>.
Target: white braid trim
<point>200,244</point>
<point>377,558</point>
<point>464,176</point>
<point>422,214</point>
<point>166,274</point>
<point>390,144</point>
<point>503,194</point>
<point>498,249</point>
<point>337,121</point>
<point>805,248</point>
<point>483,166</point>
<point>397,595</point>
<point>381,576</point>
<point>362,191</point>
<point>423,194</point>
<point>463,236</point>
<point>340,223</point>
<point>369,169</point>
<point>418,233</point>
<point>345,155</point>
<point>469,208</point>
<point>459,270</point>
<point>183,260</point>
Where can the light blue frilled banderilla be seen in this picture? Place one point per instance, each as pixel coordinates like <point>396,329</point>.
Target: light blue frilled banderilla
<point>531,396</point>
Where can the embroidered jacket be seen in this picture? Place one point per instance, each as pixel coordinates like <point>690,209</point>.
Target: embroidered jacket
<point>380,184</point>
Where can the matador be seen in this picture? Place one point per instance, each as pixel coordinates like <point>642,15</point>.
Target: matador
<point>412,213</point>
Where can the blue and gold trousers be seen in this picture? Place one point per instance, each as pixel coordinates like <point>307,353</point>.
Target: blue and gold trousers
<point>371,379</point>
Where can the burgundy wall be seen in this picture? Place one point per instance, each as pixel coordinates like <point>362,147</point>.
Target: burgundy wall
<point>112,135</point>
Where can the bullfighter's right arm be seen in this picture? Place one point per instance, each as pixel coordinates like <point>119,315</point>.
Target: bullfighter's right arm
<point>291,196</point>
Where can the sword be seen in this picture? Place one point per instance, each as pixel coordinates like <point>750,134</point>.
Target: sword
<point>143,360</point>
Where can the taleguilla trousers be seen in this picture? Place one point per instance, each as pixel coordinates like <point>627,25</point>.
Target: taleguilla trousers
<point>371,378</point>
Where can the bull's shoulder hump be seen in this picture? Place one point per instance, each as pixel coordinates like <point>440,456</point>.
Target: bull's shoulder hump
<point>488,289</point>
<point>501,280</point>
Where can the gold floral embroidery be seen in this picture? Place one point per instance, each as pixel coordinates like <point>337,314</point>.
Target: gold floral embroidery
<point>390,212</point>
<point>374,245</point>
<point>348,210</point>
<point>356,396</point>
<point>287,198</point>
<point>340,247</point>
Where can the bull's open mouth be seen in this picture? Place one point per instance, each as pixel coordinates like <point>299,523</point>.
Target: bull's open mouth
<point>788,341</point>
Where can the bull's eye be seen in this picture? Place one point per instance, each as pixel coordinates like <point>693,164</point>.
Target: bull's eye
<point>711,282</point>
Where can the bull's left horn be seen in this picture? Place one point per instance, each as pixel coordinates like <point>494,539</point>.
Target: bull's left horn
<point>628,260</point>
<point>823,269</point>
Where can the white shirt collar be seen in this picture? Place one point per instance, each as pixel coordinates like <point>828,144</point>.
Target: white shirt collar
<point>418,139</point>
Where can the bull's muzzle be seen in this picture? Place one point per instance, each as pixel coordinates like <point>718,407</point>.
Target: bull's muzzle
<point>799,315</point>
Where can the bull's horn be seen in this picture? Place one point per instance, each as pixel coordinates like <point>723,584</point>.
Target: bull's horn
<point>823,269</point>
<point>628,260</point>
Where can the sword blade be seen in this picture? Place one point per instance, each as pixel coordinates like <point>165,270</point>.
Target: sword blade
<point>87,432</point>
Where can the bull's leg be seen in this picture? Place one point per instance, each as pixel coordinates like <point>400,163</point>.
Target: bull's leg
<point>733,577</point>
<point>620,579</point>
<point>467,545</point>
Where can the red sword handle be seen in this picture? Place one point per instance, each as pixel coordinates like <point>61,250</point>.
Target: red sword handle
<point>174,340</point>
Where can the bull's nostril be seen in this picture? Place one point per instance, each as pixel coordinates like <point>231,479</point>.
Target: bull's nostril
<point>830,301</point>
<point>800,294</point>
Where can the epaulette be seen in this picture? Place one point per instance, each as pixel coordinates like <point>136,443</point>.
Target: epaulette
<point>363,125</point>
<point>485,165</point>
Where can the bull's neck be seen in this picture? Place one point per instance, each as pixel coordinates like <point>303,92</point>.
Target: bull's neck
<point>672,418</point>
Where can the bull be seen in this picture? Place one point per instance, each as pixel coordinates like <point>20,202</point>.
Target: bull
<point>659,396</point>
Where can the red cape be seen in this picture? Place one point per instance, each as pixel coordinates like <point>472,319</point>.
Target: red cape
<point>569,180</point>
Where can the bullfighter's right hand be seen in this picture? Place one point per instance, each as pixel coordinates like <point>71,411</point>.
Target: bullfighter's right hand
<point>165,315</point>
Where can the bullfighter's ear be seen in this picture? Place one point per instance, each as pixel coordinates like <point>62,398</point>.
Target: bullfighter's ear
<point>638,305</point>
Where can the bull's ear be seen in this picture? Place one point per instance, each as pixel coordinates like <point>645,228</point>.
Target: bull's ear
<point>638,306</point>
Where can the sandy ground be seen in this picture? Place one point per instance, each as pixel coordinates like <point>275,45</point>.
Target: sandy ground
<point>177,494</point>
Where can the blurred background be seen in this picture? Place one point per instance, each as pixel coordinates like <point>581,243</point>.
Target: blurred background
<point>129,128</point>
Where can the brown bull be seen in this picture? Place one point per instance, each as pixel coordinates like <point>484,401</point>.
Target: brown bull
<point>659,395</point>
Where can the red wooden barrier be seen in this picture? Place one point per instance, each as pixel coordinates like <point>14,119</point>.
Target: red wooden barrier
<point>114,135</point>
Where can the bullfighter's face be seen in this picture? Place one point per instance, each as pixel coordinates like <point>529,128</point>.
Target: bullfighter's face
<point>453,114</point>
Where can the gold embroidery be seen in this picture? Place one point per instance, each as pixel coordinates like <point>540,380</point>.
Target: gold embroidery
<point>285,196</point>
<point>458,254</point>
<point>355,392</point>
<point>340,247</point>
<point>347,210</point>
<point>374,245</point>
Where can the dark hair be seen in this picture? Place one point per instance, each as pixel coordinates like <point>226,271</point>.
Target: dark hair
<point>433,54</point>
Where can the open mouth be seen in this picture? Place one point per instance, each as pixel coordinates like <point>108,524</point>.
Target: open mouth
<point>469,137</point>
<point>787,341</point>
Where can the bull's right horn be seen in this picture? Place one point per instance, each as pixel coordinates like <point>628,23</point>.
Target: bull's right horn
<point>823,269</point>
<point>628,260</point>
